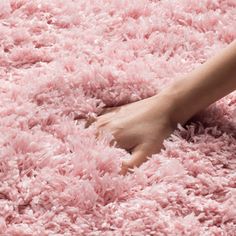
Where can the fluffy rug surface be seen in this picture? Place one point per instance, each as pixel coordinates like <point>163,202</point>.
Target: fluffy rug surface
<point>63,60</point>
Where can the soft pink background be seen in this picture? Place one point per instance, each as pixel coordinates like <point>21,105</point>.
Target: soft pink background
<point>60,60</point>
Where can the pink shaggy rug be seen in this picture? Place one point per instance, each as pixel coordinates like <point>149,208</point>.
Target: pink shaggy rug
<point>60,60</point>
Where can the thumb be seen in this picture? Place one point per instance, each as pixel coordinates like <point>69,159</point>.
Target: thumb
<point>139,156</point>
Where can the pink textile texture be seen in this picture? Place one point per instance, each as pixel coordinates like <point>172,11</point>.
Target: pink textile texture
<point>65,59</point>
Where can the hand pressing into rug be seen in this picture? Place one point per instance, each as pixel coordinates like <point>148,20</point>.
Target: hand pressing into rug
<point>142,126</point>
<point>138,127</point>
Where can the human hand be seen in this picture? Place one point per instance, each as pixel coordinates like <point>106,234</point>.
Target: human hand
<point>139,127</point>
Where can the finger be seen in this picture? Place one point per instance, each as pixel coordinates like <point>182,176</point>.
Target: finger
<point>100,132</point>
<point>92,119</point>
<point>89,121</point>
<point>123,170</point>
<point>139,156</point>
<point>114,143</point>
<point>107,110</point>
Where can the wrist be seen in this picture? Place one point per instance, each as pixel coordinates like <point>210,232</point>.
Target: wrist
<point>179,102</point>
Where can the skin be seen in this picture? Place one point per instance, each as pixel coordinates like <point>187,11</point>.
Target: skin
<point>142,126</point>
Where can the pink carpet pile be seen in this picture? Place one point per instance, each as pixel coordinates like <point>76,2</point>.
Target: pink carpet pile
<point>63,60</point>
